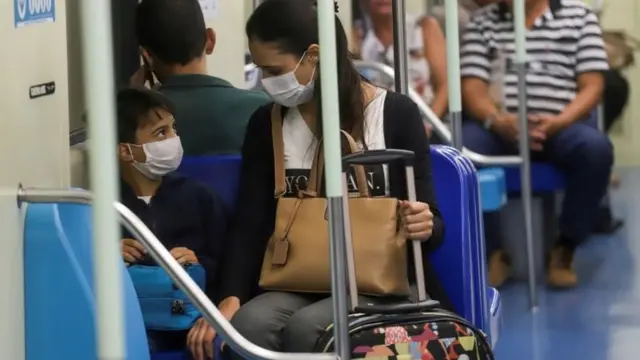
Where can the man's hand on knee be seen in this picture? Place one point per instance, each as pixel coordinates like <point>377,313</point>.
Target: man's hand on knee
<point>506,125</point>
<point>547,124</point>
<point>542,127</point>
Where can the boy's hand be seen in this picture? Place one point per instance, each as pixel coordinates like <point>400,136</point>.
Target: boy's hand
<point>131,250</point>
<point>200,340</point>
<point>184,255</point>
<point>201,337</point>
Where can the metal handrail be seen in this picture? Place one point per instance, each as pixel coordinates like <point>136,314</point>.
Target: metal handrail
<point>438,126</point>
<point>162,256</point>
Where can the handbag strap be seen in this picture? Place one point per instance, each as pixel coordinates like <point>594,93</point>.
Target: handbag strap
<point>278,151</point>
<point>317,167</point>
<point>315,177</point>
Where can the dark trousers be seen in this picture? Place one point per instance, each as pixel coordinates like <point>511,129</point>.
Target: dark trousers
<point>167,341</point>
<point>583,153</point>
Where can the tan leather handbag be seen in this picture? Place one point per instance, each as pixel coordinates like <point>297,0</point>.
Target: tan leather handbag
<point>297,255</point>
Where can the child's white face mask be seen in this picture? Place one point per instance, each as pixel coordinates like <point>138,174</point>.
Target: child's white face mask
<point>162,157</point>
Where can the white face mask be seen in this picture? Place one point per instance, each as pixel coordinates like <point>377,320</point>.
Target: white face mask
<point>163,157</point>
<point>286,90</point>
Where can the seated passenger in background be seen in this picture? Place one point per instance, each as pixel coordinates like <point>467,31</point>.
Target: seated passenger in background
<point>427,51</point>
<point>213,114</point>
<point>465,9</point>
<point>564,85</point>
<point>185,216</point>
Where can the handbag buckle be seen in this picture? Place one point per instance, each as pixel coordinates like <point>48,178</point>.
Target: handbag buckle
<point>177,307</point>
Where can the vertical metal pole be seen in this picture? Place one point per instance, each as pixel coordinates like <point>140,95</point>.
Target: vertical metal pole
<point>600,117</point>
<point>97,58</point>
<point>351,265</point>
<point>430,4</point>
<point>606,200</point>
<point>520,64</point>
<point>333,175</point>
<point>453,71</point>
<point>400,64</point>
<point>597,6</point>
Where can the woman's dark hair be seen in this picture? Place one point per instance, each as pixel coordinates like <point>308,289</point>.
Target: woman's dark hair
<point>293,26</point>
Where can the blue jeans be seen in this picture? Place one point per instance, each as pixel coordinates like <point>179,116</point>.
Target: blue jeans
<point>583,153</point>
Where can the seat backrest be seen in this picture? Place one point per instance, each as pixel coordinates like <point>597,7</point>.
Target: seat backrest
<point>545,178</point>
<point>220,172</point>
<point>453,260</point>
<point>478,251</point>
<point>59,287</point>
<point>79,166</point>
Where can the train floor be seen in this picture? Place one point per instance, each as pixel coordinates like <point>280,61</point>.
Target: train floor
<point>600,319</point>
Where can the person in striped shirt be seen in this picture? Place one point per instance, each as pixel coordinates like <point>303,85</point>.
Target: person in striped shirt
<point>565,61</point>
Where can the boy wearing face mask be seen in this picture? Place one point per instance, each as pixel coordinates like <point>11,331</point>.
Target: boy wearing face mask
<point>187,217</point>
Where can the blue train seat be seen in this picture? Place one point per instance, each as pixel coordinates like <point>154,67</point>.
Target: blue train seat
<point>479,295</point>
<point>221,172</point>
<point>487,297</point>
<point>457,275</point>
<point>59,287</point>
<point>482,296</point>
<point>478,251</point>
<point>493,189</point>
<point>545,178</point>
<point>493,197</point>
<point>468,187</point>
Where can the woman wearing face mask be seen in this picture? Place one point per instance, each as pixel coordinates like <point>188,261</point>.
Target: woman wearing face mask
<point>283,39</point>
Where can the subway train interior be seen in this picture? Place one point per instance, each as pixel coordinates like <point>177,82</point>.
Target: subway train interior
<point>65,300</point>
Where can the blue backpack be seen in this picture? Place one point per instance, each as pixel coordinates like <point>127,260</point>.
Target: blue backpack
<point>164,306</point>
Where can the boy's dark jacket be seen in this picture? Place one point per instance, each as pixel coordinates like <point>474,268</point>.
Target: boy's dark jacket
<point>184,213</point>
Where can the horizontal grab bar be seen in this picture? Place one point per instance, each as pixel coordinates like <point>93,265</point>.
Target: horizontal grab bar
<point>438,126</point>
<point>50,196</point>
<point>162,256</point>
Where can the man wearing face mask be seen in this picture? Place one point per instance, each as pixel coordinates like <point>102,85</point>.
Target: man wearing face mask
<point>186,217</point>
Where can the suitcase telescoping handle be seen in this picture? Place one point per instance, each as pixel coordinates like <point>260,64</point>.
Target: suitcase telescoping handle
<point>380,157</point>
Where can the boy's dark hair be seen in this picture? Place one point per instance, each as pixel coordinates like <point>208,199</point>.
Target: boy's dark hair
<point>174,31</point>
<point>133,105</point>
